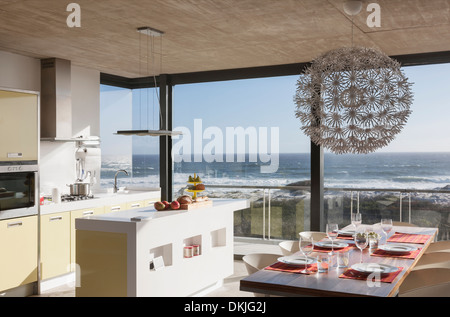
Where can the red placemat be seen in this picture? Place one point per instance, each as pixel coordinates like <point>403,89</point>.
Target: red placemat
<point>283,267</point>
<point>356,275</point>
<point>409,255</point>
<point>409,238</point>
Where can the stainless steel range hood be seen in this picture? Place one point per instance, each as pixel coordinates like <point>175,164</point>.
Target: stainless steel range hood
<point>56,99</point>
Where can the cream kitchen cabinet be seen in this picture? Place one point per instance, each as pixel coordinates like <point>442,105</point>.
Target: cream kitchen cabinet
<point>135,204</point>
<point>18,126</point>
<point>150,202</point>
<point>19,250</point>
<point>116,207</point>
<point>74,215</point>
<point>55,244</point>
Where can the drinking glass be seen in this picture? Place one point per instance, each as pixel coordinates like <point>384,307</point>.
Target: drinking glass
<point>386,226</point>
<point>361,240</point>
<point>356,219</point>
<point>306,245</point>
<point>332,233</point>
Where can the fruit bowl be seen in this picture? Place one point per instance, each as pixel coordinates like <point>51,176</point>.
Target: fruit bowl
<point>197,186</point>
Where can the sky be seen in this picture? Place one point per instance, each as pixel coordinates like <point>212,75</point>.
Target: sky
<point>267,103</point>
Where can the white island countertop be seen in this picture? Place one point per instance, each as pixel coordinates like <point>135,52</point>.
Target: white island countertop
<point>103,199</point>
<point>149,213</point>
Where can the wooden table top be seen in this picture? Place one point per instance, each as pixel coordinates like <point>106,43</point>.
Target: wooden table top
<point>271,282</point>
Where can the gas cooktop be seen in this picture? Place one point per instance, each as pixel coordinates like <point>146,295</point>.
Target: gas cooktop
<point>68,198</point>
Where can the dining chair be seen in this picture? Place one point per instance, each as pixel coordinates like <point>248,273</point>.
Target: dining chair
<point>433,260</point>
<point>257,261</point>
<point>316,235</point>
<point>433,282</point>
<point>400,224</point>
<point>439,246</point>
<point>403,224</point>
<point>288,247</point>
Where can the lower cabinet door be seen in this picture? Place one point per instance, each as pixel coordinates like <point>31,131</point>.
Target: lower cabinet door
<point>55,244</point>
<point>18,249</point>
<point>74,214</point>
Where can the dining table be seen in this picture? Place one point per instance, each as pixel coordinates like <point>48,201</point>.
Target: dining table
<point>281,279</point>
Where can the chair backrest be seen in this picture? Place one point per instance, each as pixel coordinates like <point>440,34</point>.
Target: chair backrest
<point>438,290</point>
<point>433,260</point>
<point>257,261</point>
<point>399,224</point>
<point>289,247</point>
<point>316,235</point>
<point>439,246</point>
<point>403,224</point>
<point>426,283</point>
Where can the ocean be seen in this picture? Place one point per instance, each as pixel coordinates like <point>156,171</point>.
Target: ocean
<point>377,170</point>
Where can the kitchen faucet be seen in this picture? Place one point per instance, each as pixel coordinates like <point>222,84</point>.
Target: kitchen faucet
<point>115,179</point>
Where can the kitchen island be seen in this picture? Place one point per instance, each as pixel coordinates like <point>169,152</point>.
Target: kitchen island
<point>140,252</point>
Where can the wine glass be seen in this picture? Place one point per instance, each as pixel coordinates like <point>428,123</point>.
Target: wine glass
<point>361,240</point>
<point>386,225</point>
<point>306,245</point>
<point>332,233</point>
<point>356,220</point>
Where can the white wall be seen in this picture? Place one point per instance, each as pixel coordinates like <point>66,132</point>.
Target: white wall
<point>19,72</point>
<point>57,160</point>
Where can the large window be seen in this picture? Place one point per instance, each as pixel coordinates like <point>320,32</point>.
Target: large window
<point>397,177</point>
<point>240,134</point>
<point>126,109</point>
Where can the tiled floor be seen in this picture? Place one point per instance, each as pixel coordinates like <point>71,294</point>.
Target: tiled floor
<point>230,286</point>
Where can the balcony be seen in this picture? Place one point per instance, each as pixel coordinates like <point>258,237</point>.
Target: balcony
<point>280,213</point>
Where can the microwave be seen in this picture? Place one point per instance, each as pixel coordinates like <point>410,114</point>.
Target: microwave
<point>19,194</point>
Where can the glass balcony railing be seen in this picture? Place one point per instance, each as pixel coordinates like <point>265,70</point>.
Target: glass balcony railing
<point>280,213</point>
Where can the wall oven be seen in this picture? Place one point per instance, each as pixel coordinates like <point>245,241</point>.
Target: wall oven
<point>19,194</point>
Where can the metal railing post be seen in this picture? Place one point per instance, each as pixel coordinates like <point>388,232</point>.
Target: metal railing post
<point>264,214</point>
<point>269,215</point>
<point>357,202</point>
<point>401,216</point>
<point>409,207</point>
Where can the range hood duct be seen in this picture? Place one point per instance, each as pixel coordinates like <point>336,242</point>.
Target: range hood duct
<point>56,99</point>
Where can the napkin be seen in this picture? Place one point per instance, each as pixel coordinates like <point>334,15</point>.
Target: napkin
<point>344,237</point>
<point>356,275</point>
<point>279,266</point>
<point>409,255</point>
<point>320,249</point>
<point>409,238</point>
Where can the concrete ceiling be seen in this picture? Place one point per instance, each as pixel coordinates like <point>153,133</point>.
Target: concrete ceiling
<point>202,35</point>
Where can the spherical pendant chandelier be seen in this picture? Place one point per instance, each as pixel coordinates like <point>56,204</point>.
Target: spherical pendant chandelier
<point>353,100</point>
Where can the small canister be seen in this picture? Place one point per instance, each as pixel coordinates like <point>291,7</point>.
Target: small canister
<point>196,248</point>
<point>188,252</point>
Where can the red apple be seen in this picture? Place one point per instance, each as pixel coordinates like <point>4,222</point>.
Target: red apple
<point>167,204</point>
<point>175,205</point>
<point>159,206</point>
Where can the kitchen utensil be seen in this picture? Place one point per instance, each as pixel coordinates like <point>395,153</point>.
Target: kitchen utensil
<point>79,189</point>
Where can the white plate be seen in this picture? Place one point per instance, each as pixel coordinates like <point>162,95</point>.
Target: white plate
<point>374,268</point>
<point>397,248</point>
<point>296,260</point>
<point>329,245</point>
<point>346,232</point>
